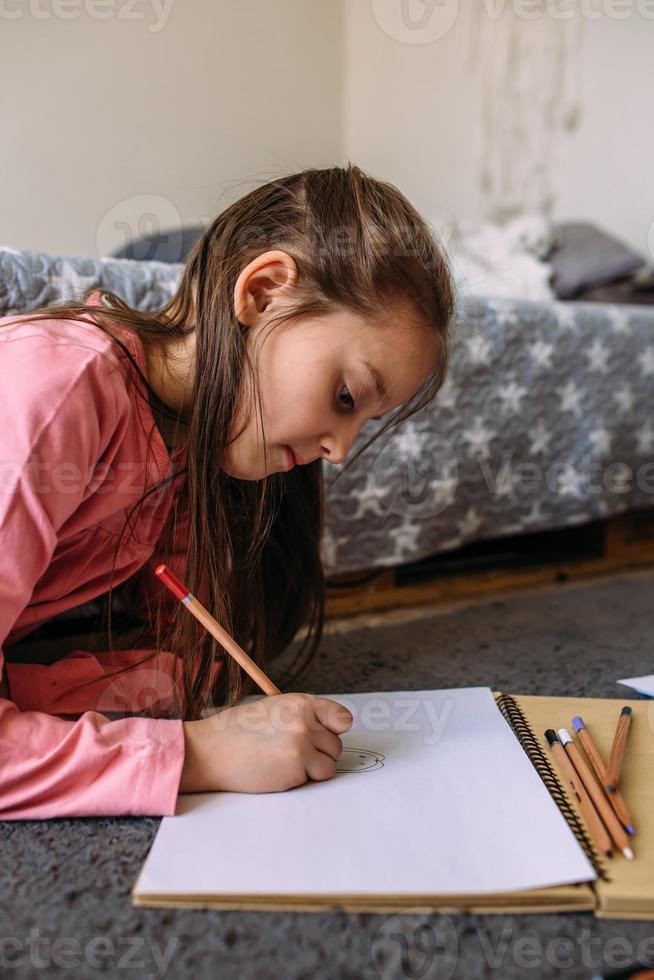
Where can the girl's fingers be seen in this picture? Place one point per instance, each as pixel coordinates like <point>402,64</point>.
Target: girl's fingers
<point>328,743</point>
<point>332,715</point>
<point>320,766</point>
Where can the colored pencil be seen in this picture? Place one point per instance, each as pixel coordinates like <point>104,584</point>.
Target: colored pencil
<point>597,762</point>
<point>213,626</point>
<point>596,794</point>
<point>617,749</point>
<point>591,817</point>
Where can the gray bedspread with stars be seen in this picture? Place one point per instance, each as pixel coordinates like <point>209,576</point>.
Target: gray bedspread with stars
<point>544,421</point>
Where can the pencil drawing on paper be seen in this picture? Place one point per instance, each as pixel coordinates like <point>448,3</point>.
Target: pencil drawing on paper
<point>359,760</point>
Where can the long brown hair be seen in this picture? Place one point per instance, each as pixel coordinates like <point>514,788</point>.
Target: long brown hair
<point>359,246</point>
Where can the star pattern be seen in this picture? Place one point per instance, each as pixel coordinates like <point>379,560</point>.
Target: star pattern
<point>443,490</point>
<point>624,397</point>
<point>504,309</point>
<point>646,361</point>
<point>570,481</point>
<point>542,352</point>
<point>645,439</point>
<point>619,319</point>
<point>540,438</point>
<point>478,437</point>
<point>329,547</point>
<point>368,499</point>
<point>479,349</point>
<point>470,523</point>
<point>504,485</point>
<point>598,356</point>
<point>409,441</point>
<point>600,440</point>
<point>570,397</point>
<point>404,538</point>
<point>549,385</point>
<point>70,284</point>
<point>511,396</point>
<point>565,316</point>
<point>447,394</point>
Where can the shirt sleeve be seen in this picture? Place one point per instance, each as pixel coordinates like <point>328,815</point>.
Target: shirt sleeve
<point>51,766</point>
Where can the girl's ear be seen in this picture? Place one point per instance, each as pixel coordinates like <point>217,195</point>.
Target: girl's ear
<point>266,280</point>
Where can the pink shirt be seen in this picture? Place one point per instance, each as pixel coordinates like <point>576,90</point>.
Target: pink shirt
<point>78,447</point>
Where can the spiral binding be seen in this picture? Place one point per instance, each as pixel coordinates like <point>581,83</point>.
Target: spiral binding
<point>528,740</point>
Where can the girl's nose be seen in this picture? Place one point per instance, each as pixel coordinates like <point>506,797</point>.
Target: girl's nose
<point>333,457</point>
<point>335,449</point>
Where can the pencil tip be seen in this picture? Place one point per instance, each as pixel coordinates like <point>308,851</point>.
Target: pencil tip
<point>609,788</point>
<point>628,853</point>
<point>626,710</point>
<point>578,723</point>
<point>609,854</point>
<point>630,830</point>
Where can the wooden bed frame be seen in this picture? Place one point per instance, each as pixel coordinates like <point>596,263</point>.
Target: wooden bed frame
<point>481,569</point>
<point>500,565</point>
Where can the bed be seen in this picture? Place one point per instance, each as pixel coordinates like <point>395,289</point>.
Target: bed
<point>545,420</point>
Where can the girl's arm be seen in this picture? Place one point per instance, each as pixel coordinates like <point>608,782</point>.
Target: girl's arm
<point>49,766</point>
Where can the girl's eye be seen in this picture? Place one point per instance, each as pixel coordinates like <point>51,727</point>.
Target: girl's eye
<point>346,389</point>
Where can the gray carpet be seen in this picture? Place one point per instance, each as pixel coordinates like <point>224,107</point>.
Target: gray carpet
<point>65,908</point>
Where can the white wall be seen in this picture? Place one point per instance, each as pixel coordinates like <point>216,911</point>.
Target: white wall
<point>498,113</point>
<point>174,111</point>
<point>173,115</point>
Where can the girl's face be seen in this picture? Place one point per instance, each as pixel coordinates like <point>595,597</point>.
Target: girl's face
<point>317,391</point>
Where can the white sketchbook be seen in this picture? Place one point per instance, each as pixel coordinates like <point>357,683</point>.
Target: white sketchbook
<point>434,796</point>
<point>644,684</point>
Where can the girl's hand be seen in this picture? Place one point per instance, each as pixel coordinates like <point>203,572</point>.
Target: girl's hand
<point>267,745</point>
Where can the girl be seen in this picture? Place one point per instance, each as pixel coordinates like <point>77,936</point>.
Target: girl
<point>314,303</point>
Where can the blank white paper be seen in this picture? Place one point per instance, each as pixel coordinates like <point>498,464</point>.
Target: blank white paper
<point>439,797</point>
<point>644,684</point>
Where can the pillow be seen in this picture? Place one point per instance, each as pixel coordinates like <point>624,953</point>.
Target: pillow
<point>166,246</point>
<point>585,256</point>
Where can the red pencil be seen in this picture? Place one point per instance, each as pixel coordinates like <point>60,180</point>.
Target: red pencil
<point>213,626</point>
